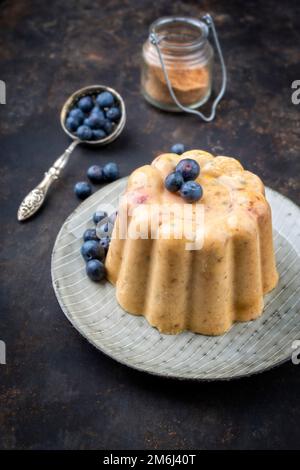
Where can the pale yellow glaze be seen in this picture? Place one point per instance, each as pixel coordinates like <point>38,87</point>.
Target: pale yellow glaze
<point>207,289</point>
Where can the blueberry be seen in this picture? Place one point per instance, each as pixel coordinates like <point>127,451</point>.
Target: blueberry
<point>72,123</point>
<point>96,111</point>
<point>85,104</point>
<point>112,217</point>
<point>92,249</point>
<point>104,242</point>
<point>90,234</point>
<point>84,133</point>
<point>104,230</point>
<point>110,171</point>
<point>191,191</point>
<point>108,126</point>
<point>98,134</point>
<point>82,190</point>
<point>105,99</point>
<point>189,169</point>
<point>174,181</point>
<point>178,148</point>
<point>94,173</point>
<point>94,121</point>
<point>98,216</point>
<point>77,114</point>
<point>113,114</point>
<point>95,270</point>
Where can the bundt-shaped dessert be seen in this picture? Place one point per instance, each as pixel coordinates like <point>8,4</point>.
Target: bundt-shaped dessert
<point>207,285</point>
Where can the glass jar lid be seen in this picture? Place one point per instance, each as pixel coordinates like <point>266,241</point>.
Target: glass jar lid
<point>180,35</point>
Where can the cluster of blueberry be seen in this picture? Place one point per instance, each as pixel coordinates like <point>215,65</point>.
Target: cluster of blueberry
<point>182,179</point>
<point>94,117</point>
<point>96,243</point>
<point>97,175</point>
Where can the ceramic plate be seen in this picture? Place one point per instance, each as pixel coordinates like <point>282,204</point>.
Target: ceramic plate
<point>246,349</point>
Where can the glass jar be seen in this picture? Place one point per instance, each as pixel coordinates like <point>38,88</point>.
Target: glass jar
<point>188,59</point>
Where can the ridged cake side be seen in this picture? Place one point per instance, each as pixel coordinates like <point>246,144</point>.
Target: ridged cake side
<point>204,290</point>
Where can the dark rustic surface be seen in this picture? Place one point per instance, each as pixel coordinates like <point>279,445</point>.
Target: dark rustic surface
<point>56,391</point>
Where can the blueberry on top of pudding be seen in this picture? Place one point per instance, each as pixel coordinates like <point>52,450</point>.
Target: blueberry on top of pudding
<point>191,191</point>
<point>189,169</point>
<point>174,181</point>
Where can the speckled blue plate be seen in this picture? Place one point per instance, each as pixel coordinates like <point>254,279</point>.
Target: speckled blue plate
<point>246,349</point>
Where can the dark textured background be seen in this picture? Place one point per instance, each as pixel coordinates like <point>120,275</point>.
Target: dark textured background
<point>56,391</point>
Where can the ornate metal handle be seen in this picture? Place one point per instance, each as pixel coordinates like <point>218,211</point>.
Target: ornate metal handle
<point>35,199</point>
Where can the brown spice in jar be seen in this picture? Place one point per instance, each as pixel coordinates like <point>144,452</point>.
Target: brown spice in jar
<point>190,85</point>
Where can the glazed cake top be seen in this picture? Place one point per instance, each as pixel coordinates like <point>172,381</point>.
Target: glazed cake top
<point>231,195</point>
